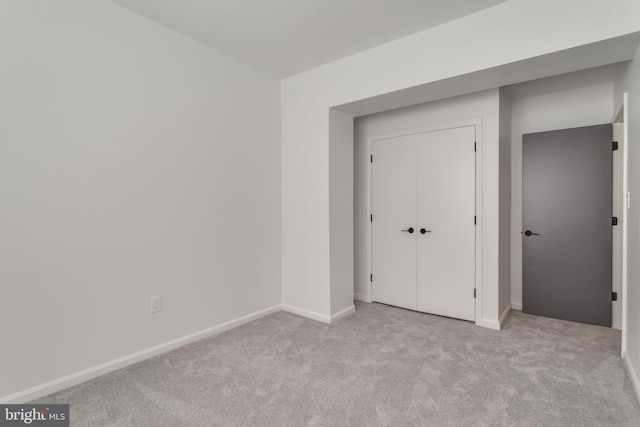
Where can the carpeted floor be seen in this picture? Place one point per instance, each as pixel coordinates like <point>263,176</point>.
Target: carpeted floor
<point>380,366</point>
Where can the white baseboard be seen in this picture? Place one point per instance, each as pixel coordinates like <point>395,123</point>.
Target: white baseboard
<point>516,306</point>
<point>632,374</point>
<point>306,313</point>
<point>491,324</point>
<point>504,315</point>
<point>343,313</point>
<point>319,316</point>
<point>97,371</point>
<point>362,297</point>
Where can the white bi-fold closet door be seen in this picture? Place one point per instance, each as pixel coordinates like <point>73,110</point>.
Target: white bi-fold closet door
<point>423,223</point>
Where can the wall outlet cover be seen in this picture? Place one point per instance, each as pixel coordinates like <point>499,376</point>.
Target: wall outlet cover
<point>156,304</point>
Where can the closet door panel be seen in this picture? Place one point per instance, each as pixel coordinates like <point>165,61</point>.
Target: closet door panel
<point>446,229</point>
<point>393,202</point>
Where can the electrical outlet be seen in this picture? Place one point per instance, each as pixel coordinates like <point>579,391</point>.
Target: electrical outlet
<point>156,304</point>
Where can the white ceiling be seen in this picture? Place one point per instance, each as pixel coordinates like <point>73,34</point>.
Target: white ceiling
<point>285,37</point>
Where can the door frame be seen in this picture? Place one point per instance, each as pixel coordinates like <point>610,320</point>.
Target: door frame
<point>478,187</point>
<point>621,129</point>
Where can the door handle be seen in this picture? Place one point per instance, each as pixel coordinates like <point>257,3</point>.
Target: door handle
<point>409,230</point>
<point>423,230</point>
<point>530,233</point>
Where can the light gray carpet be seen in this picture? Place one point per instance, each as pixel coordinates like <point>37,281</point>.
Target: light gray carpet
<point>380,366</point>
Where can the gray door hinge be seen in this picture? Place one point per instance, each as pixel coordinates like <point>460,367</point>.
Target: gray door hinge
<point>474,293</point>
<point>371,277</point>
<point>371,158</point>
<point>475,146</point>
<point>614,220</point>
<point>614,145</point>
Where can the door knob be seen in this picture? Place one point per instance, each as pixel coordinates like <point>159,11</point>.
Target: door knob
<point>423,230</point>
<point>409,230</point>
<point>530,233</point>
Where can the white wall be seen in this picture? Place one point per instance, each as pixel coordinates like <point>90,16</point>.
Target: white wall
<point>585,106</point>
<point>481,105</point>
<point>133,162</point>
<point>341,211</point>
<point>489,40</point>
<point>504,233</point>
<point>630,83</point>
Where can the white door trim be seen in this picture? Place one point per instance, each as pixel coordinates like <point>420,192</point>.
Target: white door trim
<point>621,117</point>
<point>478,274</point>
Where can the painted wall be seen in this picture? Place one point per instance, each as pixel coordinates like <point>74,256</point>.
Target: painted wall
<point>133,162</point>
<point>341,211</point>
<point>504,226</point>
<point>585,106</point>
<point>481,105</point>
<point>630,83</point>
<point>496,37</point>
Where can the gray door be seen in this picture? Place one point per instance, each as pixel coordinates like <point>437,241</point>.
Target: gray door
<point>566,219</point>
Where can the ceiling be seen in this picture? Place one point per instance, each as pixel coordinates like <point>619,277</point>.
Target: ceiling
<point>285,37</point>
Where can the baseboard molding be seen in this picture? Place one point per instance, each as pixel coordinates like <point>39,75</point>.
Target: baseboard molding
<point>632,375</point>
<point>306,313</point>
<point>97,371</point>
<point>504,315</point>
<point>343,313</point>
<point>362,297</point>
<point>516,306</point>
<point>491,324</point>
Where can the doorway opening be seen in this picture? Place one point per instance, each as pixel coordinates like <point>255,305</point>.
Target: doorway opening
<point>567,216</point>
<point>423,220</point>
